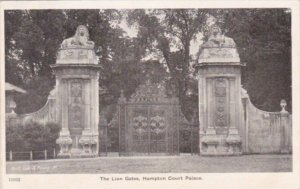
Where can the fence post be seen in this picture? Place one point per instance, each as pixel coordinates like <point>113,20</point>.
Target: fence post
<point>45,153</point>
<point>10,156</point>
<point>54,153</point>
<point>285,128</point>
<point>286,135</point>
<point>31,156</point>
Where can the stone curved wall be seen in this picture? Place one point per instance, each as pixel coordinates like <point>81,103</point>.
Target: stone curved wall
<point>266,132</point>
<point>43,116</point>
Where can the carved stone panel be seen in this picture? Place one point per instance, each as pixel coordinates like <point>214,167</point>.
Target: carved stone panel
<point>220,109</point>
<point>76,109</point>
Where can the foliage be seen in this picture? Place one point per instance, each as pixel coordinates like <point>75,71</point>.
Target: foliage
<point>31,137</point>
<point>165,29</point>
<point>161,51</point>
<point>14,138</point>
<point>263,38</point>
<point>36,90</point>
<point>52,134</point>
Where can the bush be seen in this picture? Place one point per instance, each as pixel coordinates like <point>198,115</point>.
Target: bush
<point>32,137</point>
<point>14,138</point>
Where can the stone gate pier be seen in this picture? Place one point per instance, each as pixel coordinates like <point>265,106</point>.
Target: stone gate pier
<point>77,99</point>
<point>150,122</point>
<point>220,114</point>
<point>229,124</point>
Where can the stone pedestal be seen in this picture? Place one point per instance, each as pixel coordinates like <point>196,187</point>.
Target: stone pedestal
<point>220,110</point>
<point>65,143</point>
<point>211,141</point>
<point>286,142</point>
<point>77,73</point>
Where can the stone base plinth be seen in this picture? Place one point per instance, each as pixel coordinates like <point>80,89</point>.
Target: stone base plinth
<point>65,142</point>
<point>211,143</point>
<point>76,153</point>
<point>88,145</point>
<point>234,142</point>
<point>88,142</point>
<point>220,145</point>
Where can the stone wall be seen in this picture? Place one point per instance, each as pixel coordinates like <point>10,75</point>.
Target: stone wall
<point>229,123</point>
<point>47,114</point>
<point>266,132</point>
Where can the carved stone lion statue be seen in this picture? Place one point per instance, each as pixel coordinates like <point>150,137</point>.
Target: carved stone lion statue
<point>80,39</point>
<point>217,39</point>
<point>218,48</point>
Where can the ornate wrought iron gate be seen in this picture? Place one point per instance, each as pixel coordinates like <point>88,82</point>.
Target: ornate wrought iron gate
<point>149,123</point>
<point>148,127</point>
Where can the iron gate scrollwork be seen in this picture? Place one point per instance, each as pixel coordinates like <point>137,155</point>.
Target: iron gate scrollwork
<point>158,134</point>
<point>147,122</point>
<point>151,123</point>
<point>148,128</point>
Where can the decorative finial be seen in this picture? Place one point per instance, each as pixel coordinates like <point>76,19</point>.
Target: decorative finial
<point>283,105</point>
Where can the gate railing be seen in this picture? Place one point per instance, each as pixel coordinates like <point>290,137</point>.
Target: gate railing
<point>188,136</point>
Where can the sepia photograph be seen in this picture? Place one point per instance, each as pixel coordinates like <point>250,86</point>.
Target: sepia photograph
<point>164,91</point>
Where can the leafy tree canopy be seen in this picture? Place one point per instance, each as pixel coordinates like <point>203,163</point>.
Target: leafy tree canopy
<point>263,38</point>
<point>161,50</point>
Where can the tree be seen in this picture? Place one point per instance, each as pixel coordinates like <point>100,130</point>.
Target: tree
<point>37,91</point>
<point>13,20</point>
<point>161,48</point>
<point>164,29</point>
<point>263,38</point>
<point>32,41</point>
<point>99,23</point>
<point>52,134</point>
<point>38,39</point>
